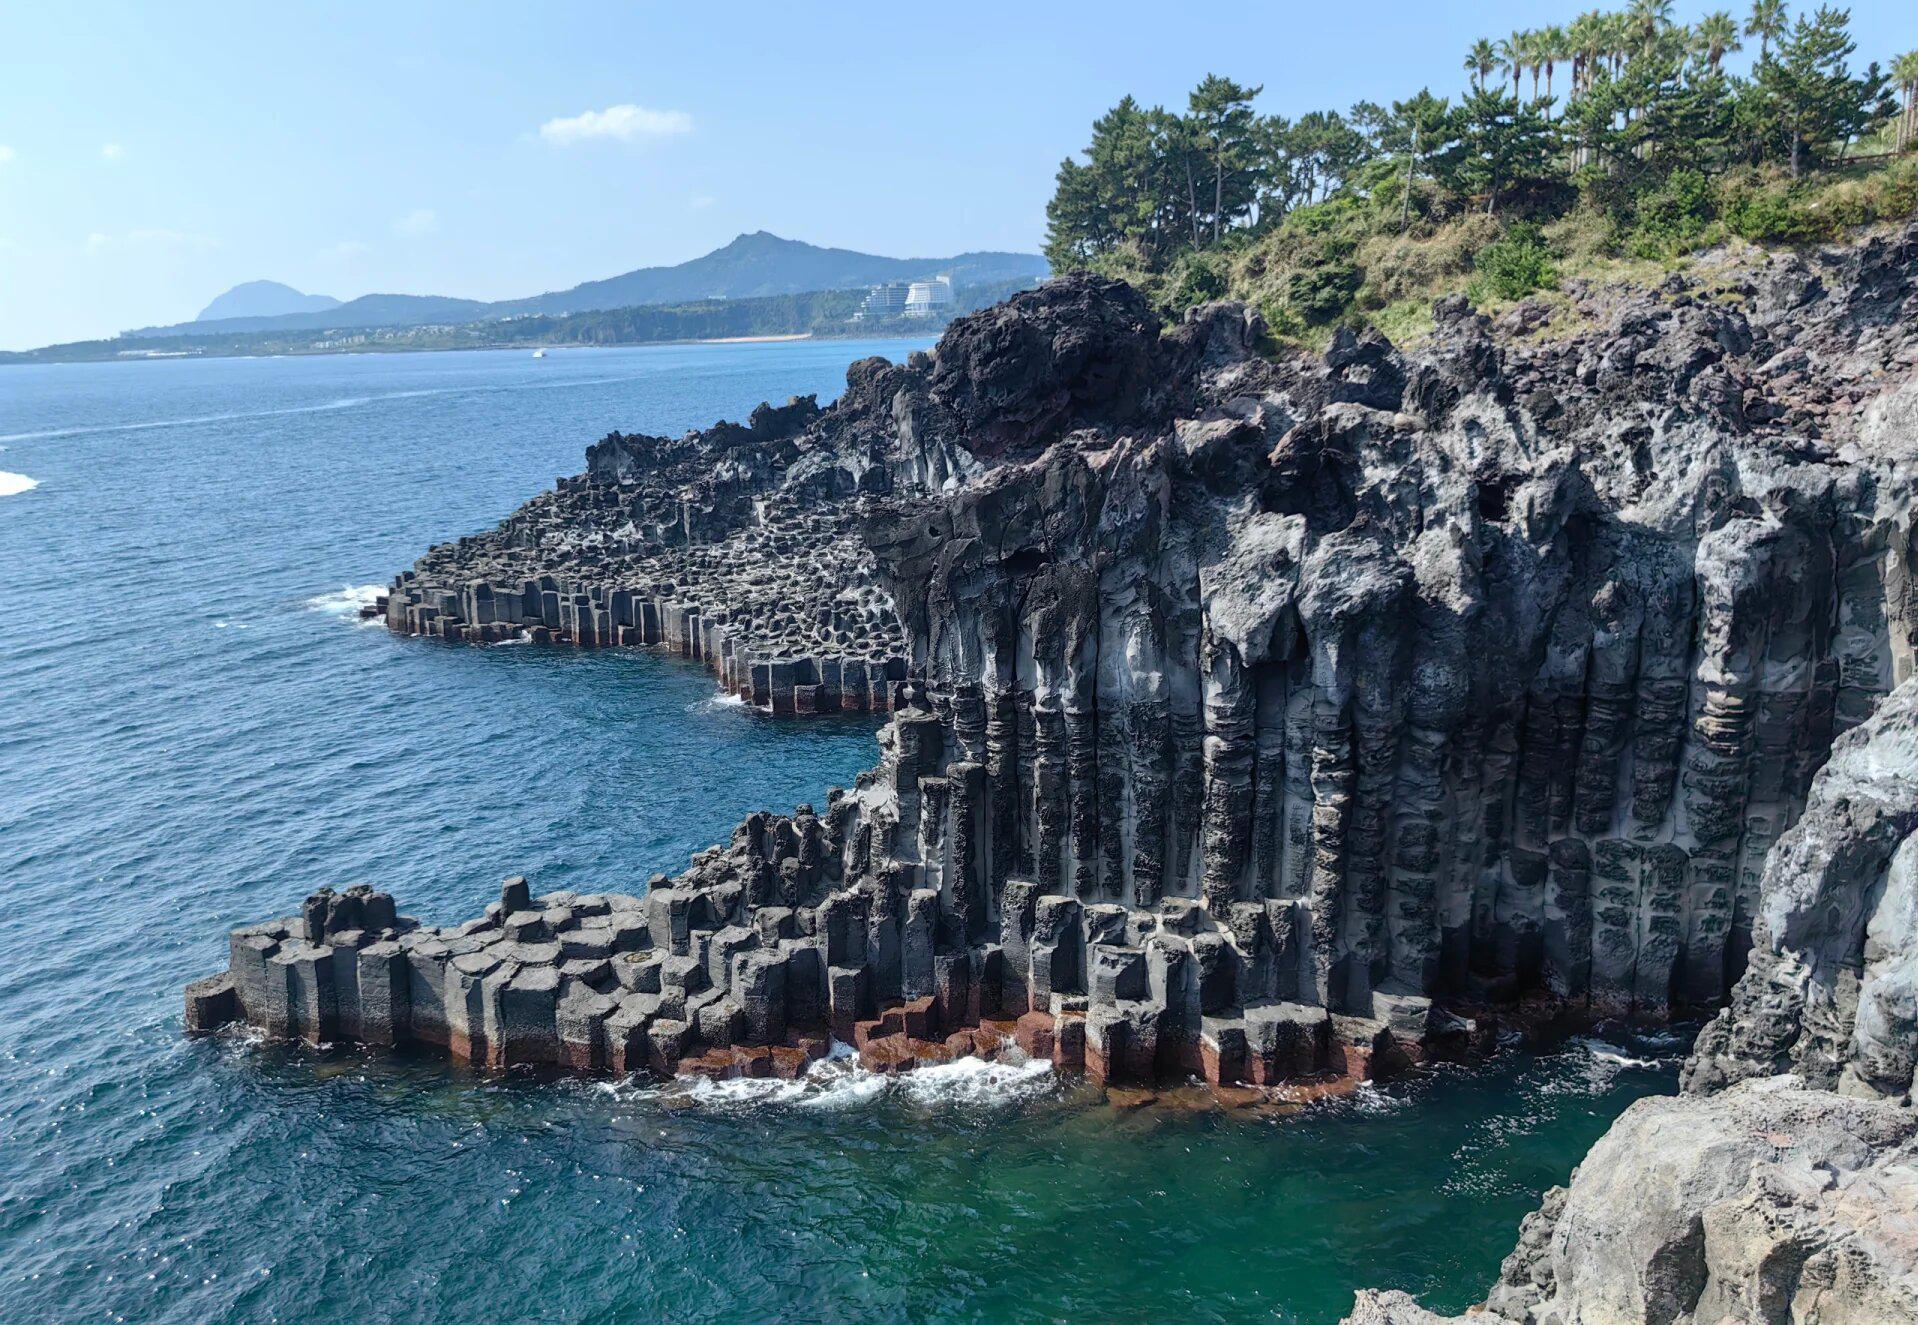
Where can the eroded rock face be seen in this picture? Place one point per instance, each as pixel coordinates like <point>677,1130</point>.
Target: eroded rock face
<point>1246,712</point>
<point>1832,991</point>
<point>1753,1196</point>
<point>1766,1202</point>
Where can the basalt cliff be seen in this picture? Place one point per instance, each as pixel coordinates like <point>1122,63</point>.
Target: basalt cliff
<point>1257,715</point>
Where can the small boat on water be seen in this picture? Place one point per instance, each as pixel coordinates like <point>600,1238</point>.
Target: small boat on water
<point>539,354</point>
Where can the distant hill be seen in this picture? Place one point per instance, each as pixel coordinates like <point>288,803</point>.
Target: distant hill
<point>752,266</point>
<point>264,299</point>
<point>761,264</point>
<point>369,310</point>
<point>821,313</point>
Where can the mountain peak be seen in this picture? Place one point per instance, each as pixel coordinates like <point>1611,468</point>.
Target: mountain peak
<point>760,239</point>
<point>264,299</point>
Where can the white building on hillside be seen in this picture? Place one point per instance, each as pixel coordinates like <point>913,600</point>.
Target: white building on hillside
<point>888,300</point>
<point>929,298</point>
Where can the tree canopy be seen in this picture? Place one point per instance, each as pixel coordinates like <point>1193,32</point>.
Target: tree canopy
<point>1608,107</point>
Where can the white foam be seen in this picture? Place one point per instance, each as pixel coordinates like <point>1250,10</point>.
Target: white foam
<point>716,703</point>
<point>1602,1052</point>
<point>976,1081</point>
<point>346,602</point>
<point>1368,1098</point>
<point>839,1082</point>
<point>12,485</point>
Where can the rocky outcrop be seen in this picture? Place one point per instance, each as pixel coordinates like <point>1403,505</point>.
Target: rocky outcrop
<point>1783,1185</point>
<point>1252,716</point>
<point>1831,995</point>
<point>731,547</point>
<point>1766,1202</point>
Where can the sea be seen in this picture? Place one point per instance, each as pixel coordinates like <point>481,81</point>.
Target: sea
<point>196,730</point>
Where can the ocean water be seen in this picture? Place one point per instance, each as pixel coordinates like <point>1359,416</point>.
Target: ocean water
<point>195,732</point>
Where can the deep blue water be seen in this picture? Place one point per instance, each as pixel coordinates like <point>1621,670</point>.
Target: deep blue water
<point>194,733</point>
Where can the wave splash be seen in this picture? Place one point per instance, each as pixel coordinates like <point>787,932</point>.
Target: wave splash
<point>716,703</point>
<point>346,602</point>
<point>839,1082</point>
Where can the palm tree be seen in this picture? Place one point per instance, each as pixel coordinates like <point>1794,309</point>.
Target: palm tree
<point>1552,48</point>
<point>1618,40</point>
<point>1587,38</point>
<point>1715,37</point>
<point>1535,58</point>
<point>1511,52</point>
<point>1480,61</point>
<point>1904,72</point>
<point>1767,21</point>
<point>1645,20</point>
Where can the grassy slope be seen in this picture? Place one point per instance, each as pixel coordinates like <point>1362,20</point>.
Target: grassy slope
<point>1345,261</point>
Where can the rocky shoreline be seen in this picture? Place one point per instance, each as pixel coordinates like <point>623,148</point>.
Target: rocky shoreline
<point>1265,718</point>
<point>1782,1185</point>
<point>674,545</point>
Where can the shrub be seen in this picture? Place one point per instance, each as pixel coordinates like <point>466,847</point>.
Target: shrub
<point>1675,217</point>
<point>1421,266</point>
<point>1196,279</point>
<point>1514,265</point>
<point>1321,292</point>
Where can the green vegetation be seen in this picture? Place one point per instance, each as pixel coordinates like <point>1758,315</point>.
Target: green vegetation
<point>1618,140</point>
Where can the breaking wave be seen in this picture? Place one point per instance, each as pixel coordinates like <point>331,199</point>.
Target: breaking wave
<point>839,1082</point>
<point>1615,1056</point>
<point>716,703</point>
<point>346,602</point>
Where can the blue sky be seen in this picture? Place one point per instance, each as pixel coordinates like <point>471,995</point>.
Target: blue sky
<point>153,155</point>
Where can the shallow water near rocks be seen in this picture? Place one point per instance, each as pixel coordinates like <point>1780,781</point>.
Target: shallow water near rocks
<point>195,731</point>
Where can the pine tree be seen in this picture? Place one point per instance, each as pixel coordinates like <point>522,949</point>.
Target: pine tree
<point>1224,132</point>
<point>1502,146</point>
<point>1807,91</point>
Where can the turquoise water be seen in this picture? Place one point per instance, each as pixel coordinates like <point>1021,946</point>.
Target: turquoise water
<point>194,732</point>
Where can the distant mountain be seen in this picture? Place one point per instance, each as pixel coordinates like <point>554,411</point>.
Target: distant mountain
<point>264,299</point>
<point>752,266</point>
<point>369,310</point>
<point>764,264</point>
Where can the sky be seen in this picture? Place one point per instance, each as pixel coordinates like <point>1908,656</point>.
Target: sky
<point>153,155</point>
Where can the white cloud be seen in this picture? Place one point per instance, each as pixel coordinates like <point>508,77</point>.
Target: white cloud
<point>6,154</point>
<point>173,240</point>
<point>347,250</point>
<point>112,151</point>
<point>621,123</point>
<point>419,221</point>
<point>701,202</point>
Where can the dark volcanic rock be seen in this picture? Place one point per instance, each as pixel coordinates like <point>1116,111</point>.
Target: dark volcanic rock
<point>1832,990</point>
<point>1079,352</point>
<point>1246,711</point>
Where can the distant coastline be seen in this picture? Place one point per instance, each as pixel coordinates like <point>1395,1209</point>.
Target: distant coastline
<point>752,340</point>
<point>816,315</point>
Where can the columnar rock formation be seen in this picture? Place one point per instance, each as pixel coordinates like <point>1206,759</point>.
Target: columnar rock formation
<point>1783,1185</point>
<point>1831,995</point>
<point>734,547</point>
<point>1247,710</point>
